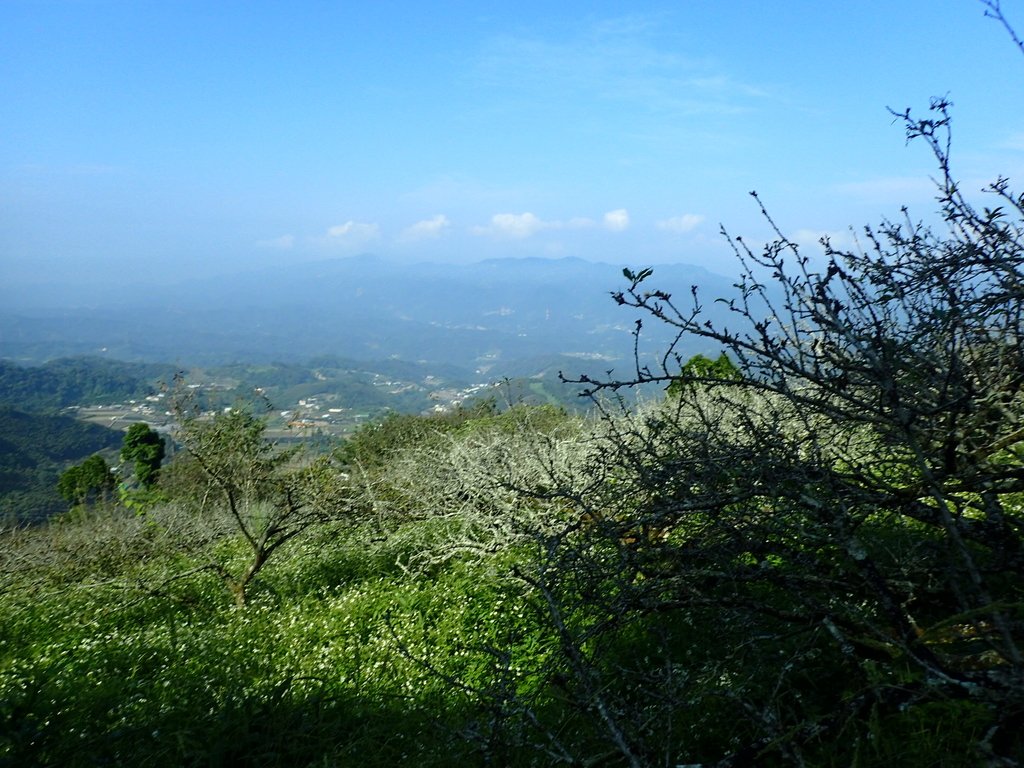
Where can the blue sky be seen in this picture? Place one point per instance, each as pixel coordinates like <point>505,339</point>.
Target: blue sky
<point>146,141</point>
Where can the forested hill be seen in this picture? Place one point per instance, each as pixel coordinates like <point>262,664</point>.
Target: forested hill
<point>37,444</point>
<point>34,449</point>
<point>74,381</point>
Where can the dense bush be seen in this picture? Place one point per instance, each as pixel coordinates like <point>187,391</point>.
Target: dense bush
<point>842,504</point>
<point>635,606</point>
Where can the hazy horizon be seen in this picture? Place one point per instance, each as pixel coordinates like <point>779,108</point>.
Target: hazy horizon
<point>150,143</point>
<point>48,293</point>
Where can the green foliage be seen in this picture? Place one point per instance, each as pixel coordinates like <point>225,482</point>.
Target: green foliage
<point>720,369</point>
<point>703,371</point>
<point>373,445</point>
<point>118,645</point>
<point>34,450</point>
<point>89,481</point>
<point>76,381</point>
<point>349,672</point>
<point>236,458</point>
<point>145,449</point>
<point>234,479</point>
<point>141,499</point>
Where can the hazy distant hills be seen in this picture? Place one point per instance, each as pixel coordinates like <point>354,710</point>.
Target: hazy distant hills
<point>482,317</point>
<point>373,334</point>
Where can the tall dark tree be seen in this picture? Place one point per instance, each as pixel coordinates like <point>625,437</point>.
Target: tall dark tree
<point>88,481</point>
<point>144,447</point>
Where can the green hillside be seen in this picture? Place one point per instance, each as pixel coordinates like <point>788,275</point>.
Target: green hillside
<point>76,381</point>
<point>34,450</point>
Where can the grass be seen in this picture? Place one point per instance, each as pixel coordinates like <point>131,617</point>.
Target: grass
<point>341,659</point>
<point>134,655</point>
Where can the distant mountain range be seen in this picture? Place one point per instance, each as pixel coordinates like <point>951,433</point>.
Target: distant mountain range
<point>482,317</point>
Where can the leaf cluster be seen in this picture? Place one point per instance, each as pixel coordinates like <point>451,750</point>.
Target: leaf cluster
<point>144,447</point>
<point>89,480</point>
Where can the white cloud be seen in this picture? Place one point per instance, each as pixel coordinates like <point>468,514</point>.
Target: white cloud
<point>282,243</point>
<point>617,220</point>
<point>427,229</point>
<point>687,222</point>
<point>352,231</point>
<point>515,225</point>
<point>522,225</point>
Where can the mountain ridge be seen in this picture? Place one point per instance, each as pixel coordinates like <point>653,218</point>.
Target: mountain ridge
<point>365,307</point>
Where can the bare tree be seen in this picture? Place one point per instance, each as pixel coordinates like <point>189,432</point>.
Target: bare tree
<point>830,543</point>
<point>233,475</point>
<point>474,487</point>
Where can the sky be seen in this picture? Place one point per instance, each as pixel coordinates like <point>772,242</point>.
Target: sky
<point>160,141</point>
